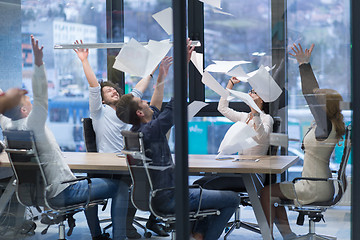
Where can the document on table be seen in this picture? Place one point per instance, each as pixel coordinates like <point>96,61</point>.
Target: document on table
<point>264,85</point>
<point>140,61</point>
<point>165,19</point>
<point>194,108</point>
<point>238,138</point>
<point>211,82</point>
<point>245,98</point>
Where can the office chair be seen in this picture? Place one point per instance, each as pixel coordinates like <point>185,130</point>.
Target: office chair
<point>142,191</point>
<point>245,200</point>
<point>31,182</point>
<point>315,210</point>
<point>90,145</point>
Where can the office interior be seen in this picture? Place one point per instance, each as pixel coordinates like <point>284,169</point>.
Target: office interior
<point>260,32</point>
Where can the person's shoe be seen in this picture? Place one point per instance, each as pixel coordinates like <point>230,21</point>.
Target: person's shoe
<point>156,228</point>
<point>104,236</point>
<point>131,233</point>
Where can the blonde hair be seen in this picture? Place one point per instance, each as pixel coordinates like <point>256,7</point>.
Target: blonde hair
<point>333,111</point>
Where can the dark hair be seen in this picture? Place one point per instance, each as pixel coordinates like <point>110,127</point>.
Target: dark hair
<point>110,84</point>
<point>266,107</point>
<point>14,113</point>
<point>126,109</point>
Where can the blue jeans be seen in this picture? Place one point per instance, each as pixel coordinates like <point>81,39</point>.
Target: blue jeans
<point>211,227</point>
<point>101,188</point>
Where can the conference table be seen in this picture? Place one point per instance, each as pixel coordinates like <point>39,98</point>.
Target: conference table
<point>234,165</point>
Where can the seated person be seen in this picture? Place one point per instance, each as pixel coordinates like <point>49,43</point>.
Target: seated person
<point>33,117</point>
<point>318,144</point>
<point>154,125</point>
<point>10,98</point>
<point>107,127</point>
<point>262,123</point>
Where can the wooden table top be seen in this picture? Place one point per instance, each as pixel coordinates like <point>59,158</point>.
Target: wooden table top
<point>102,162</point>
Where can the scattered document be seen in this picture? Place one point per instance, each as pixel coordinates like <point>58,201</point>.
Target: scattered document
<point>138,60</point>
<point>214,3</point>
<point>264,85</point>
<point>194,108</point>
<point>165,19</point>
<point>223,66</point>
<point>221,12</point>
<point>238,138</point>
<point>197,60</point>
<point>237,72</point>
<point>246,98</point>
<point>211,82</point>
<point>250,74</point>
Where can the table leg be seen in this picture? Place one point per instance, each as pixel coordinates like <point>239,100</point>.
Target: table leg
<point>7,194</point>
<point>250,184</point>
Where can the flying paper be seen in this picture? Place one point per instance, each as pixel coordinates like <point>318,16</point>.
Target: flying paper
<point>138,60</point>
<point>264,85</point>
<point>194,108</point>
<point>165,19</point>
<point>214,3</point>
<point>209,81</point>
<point>237,139</point>
<point>221,12</point>
<point>197,60</point>
<point>223,66</point>
<point>250,74</point>
<point>246,99</point>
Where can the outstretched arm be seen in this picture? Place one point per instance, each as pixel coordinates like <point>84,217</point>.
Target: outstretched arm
<point>89,73</point>
<point>158,95</point>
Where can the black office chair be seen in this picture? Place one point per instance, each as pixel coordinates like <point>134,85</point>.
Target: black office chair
<point>245,200</point>
<point>31,181</point>
<point>142,191</point>
<point>90,145</point>
<point>315,210</point>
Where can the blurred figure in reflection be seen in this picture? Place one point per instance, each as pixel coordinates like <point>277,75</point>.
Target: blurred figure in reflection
<point>262,123</point>
<point>318,144</point>
<point>33,117</point>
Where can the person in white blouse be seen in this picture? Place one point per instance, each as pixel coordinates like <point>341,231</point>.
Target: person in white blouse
<point>262,123</point>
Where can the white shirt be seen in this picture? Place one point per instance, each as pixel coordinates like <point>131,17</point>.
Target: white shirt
<point>106,124</point>
<point>262,124</point>
<point>55,169</point>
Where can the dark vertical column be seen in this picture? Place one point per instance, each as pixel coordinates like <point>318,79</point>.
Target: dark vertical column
<point>279,58</point>
<point>196,32</point>
<point>181,132</point>
<point>114,33</point>
<point>355,81</point>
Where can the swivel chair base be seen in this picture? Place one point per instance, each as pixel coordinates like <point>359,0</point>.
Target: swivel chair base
<point>314,236</point>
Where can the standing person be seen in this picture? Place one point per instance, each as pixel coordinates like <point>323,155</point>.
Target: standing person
<point>33,117</point>
<point>318,144</point>
<point>262,123</point>
<point>154,125</point>
<point>107,127</point>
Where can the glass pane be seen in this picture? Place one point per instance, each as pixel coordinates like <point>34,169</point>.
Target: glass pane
<point>54,22</point>
<point>243,36</point>
<point>140,25</point>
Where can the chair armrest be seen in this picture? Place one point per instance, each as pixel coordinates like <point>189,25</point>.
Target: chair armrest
<point>310,179</point>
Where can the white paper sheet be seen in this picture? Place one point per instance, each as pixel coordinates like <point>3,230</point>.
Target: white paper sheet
<point>237,139</point>
<point>138,60</point>
<point>194,108</point>
<point>264,85</point>
<point>250,74</point>
<point>165,19</point>
<point>197,60</point>
<point>211,82</point>
<point>221,12</point>
<point>237,71</point>
<point>214,3</point>
<point>223,66</point>
<point>245,98</point>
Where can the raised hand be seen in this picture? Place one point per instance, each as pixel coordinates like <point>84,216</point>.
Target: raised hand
<point>38,51</point>
<point>165,65</point>
<point>300,55</point>
<point>82,53</point>
<point>190,49</point>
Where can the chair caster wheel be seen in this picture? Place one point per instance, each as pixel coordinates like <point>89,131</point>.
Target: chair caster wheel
<point>147,235</point>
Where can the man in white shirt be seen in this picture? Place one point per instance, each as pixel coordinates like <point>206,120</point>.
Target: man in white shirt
<point>108,127</point>
<point>27,116</point>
